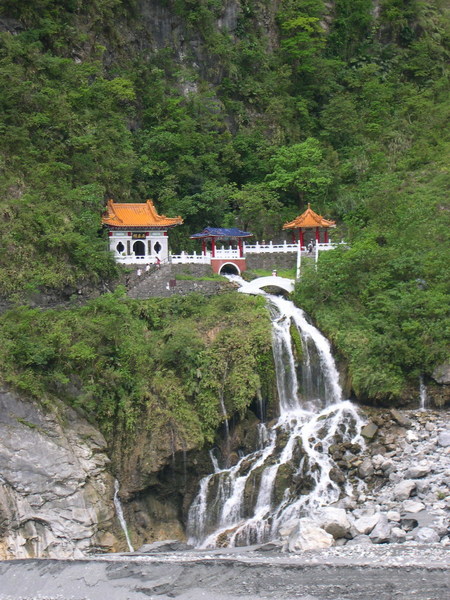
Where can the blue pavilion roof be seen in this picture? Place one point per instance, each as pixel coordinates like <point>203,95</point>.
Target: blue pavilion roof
<point>232,232</point>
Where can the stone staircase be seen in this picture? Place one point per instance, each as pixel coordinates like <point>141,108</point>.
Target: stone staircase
<point>161,282</point>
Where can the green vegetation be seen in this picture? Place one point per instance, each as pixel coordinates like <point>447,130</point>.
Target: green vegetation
<point>158,363</point>
<point>346,107</point>
<point>288,273</point>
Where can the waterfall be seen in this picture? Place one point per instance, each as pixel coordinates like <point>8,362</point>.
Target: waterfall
<point>227,428</point>
<point>119,513</point>
<point>423,393</point>
<point>290,475</point>
<point>215,462</point>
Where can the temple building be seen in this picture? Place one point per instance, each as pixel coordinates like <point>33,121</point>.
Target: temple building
<point>137,234</point>
<point>312,222</point>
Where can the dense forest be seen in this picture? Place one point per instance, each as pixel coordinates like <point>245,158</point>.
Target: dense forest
<point>227,112</point>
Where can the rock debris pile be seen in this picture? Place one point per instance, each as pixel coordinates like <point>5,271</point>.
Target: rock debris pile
<point>404,490</point>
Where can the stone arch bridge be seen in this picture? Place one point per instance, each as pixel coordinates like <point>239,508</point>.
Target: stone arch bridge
<point>256,286</point>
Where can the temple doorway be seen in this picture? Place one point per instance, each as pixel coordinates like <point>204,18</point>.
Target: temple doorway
<point>139,248</point>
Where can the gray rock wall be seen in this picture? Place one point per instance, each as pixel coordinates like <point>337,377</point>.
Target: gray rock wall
<point>279,260</point>
<point>55,491</point>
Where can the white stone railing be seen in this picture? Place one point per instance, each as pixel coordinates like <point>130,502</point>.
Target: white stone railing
<point>226,253</point>
<point>270,247</point>
<point>183,259</point>
<point>284,247</point>
<point>328,246</point>
<point>132,259</point>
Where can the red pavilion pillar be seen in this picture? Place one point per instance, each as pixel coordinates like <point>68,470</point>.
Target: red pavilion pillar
<point>213,247</point>
<point>317,236</point>
<point>327,239</point>
<point>241,247</point>
<point>302,237</point>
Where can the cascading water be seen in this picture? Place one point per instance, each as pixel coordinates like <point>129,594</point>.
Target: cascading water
<point>423,394</point>
<point>120,516</point>
<point>290,475</point>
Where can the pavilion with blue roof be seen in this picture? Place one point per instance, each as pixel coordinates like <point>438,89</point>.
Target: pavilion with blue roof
<point>220,258</point>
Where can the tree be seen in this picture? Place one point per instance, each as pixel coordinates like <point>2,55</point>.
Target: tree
<point>300,169</point>
<point>259,210</point>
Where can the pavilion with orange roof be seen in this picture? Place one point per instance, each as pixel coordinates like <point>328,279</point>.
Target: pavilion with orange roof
<point>311,220</point>
<point>137,233</point>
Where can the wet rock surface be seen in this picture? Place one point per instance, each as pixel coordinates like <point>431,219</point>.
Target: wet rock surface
<point>351,573</point>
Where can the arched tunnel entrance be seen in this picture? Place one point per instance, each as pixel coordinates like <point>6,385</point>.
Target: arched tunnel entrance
<point>229,269</point>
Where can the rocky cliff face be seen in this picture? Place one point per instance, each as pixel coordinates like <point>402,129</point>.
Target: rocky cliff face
<point>55,490</point>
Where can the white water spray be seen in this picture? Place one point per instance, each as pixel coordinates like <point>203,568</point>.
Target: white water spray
<point>290,475</point>
<point>423,394</point>
<point>120,516</point>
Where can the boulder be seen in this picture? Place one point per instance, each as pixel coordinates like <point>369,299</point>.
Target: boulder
<point>444,439</point>
<point>412,506</point>
<point>412,436</point>
<point>393,515</point>
<point>388,466</point>
<point>366,468</point>
<point>398,536</point>
<point>369,431</point>
<point>403,489</point>
<point>365,524</point>
<point>400,418</point>
<point>334,521</point>
<point>381,533</point>
<point>308,536</point>
<point>418,471</point>
<point>341,542</point>
<point>425,535</point>
<point>378,460</point>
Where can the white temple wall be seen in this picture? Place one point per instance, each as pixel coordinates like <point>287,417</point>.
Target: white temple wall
<point>139,247</point>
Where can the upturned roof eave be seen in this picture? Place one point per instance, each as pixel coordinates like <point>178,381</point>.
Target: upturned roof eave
<point>221,232</point>
<point>309,220</point>
<point>125,215</point>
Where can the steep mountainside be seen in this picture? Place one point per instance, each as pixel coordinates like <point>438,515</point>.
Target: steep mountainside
<point>235,112</point>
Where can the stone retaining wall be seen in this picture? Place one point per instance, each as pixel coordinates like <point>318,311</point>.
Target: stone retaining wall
<point>278,260</point>
<point>163,283</point>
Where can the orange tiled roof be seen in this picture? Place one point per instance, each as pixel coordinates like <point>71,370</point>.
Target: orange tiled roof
<point>137,215</point>
<point>309,219</point>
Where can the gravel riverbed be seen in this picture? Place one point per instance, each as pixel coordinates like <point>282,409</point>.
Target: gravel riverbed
<point>381,572</point>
